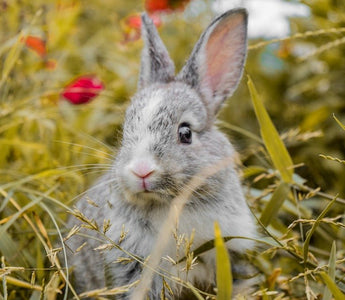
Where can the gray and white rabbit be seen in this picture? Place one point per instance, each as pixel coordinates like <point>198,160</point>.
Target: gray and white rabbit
<point>169,136</point>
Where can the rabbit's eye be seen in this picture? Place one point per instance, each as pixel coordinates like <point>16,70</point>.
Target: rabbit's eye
<point>185,133</point>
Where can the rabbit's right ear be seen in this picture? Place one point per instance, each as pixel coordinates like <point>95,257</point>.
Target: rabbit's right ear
<point>215,66</point>
<point>156,64</point>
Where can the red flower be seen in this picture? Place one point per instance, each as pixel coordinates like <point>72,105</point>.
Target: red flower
<point>132,24</point>
<point>36,44</point>
<point>165,5</point>
<point>82,90</point>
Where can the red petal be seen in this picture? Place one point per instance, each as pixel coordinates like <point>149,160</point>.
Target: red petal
<point>36,44</point>
<point>156,5</point>
<point>133,21</point>
<point>83,90</point>
<point>165,5</point>
<point>132,25</point>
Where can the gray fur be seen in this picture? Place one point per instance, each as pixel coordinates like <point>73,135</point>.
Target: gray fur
<point>193,72</point>
<point>150,140</point>
<point>157,65</point>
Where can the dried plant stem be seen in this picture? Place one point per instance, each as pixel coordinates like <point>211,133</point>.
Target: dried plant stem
<point>168,226</point>
<point>323,48</point>
<point>321,194</point>
<point>298,36</point>
<point>55,260</point>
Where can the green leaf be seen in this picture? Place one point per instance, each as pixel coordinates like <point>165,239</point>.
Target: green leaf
<point>338,295</point>
<point>274,145</point>
<point>272,207</point>
<point>327,294</point>
<point>224,276</point>
<point>313,228</point>
<point>253,171</point>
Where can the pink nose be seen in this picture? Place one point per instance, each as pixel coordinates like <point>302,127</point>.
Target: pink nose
<point>142,170</point>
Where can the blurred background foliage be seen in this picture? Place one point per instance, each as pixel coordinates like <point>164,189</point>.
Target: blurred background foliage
<point>51,150</point>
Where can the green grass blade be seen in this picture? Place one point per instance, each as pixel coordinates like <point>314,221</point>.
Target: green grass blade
<point>339,123</point>
<point>224,276</point>
<point>272,207</point>
<point>338,295</point>
<point>4,282</point>
<point>5,201</point>
<point>11,59</point>
<point>18,214</point>
<point>327,294</point>
<point>313,228</point>
<point>274,145</point>
<point>9,249</point>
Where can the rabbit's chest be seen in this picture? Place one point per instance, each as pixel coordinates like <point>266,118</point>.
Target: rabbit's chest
<point>140,233</point>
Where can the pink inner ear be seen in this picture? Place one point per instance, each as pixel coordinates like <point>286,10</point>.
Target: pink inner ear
<point>224,54</point>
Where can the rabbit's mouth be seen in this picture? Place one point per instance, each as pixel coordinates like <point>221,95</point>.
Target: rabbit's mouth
<point>145,191</point>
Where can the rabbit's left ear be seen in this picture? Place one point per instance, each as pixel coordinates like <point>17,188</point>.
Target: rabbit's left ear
<point>156,64</point>
<point>215,66</point>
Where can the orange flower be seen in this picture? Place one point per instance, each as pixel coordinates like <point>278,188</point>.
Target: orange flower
<point>132,25</point>
<point>165,5</point>
<point>36,44</point>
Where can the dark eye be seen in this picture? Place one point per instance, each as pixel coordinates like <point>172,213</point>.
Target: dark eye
<point>185,133</point>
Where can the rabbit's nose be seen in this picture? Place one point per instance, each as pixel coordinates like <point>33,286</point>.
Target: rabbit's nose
<point>142,170</point>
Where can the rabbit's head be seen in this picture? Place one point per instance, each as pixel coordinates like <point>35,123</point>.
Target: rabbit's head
<point>169,133</point>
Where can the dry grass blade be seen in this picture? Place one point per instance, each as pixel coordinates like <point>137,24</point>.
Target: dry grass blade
<point>209,245</point>
<point>108,292</point>
<point>26,285</point>
<point>51,289</point>
<point>55,260</point>
<point>195,291</point>
<point>48,249</point>
<point>168,226</point>
<point>339,123</point>
<point>17,215</point>
<point>12,58</point>
<point>40,175</point>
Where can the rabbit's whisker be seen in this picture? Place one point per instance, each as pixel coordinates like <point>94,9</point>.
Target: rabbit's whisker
<point>107,155</point>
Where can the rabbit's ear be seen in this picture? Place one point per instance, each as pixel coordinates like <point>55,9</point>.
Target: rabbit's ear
<point>216,63</point>
<point>156,64</point>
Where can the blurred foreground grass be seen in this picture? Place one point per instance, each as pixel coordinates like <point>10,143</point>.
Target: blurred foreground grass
<point>51,150</point>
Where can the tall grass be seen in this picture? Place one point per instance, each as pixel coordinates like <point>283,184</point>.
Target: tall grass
<point>51,151</point>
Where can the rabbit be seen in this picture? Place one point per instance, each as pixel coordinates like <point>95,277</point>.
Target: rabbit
<point>169,136</point>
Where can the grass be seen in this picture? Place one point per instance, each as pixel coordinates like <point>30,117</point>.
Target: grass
<point>51,151</point>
